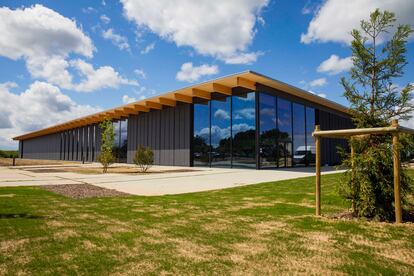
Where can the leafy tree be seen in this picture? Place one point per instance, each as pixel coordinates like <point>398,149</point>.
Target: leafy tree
<point>106,157</point>
<point>144,158</point>
<point>374,101</point>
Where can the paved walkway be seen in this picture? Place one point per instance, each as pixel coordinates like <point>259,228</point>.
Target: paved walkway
<point>200,179</point>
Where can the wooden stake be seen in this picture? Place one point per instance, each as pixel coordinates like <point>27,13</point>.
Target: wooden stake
<point>397,167</point>
<point>353,175</point>
<point>318,171</point>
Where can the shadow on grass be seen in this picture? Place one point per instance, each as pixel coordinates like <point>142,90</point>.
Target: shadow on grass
<point>21,215</point>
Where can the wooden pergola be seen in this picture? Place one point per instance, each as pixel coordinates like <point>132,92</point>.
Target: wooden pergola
<point>395,129</point>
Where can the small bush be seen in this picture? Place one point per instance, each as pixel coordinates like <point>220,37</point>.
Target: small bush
<point>106,157</point>
<point>144,158</point>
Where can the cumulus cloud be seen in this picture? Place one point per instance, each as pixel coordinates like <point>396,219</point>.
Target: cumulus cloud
<point>318,82</point>
<point>42,104</point>
<point>127,99</point>
<point>191,73</point>
<point>44,39</point>
<point>245,113</point>
<point>148,48</point>
<point>335,65</point>
<point>336,18</point>
<point>222,29</point>
<point>118,40</point>
<point>322,95</point>
<point>103,77</point>
<point>221,114</point>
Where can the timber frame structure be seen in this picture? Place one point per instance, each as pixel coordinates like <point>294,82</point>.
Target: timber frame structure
<point>395,129</point>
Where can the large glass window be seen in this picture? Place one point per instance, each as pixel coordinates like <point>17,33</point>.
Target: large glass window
<point>284,122</point>
<point>268,131</point>
<point>201,138</point>
<point>123,142</point>
<point>310,141</point>
<point>300,152</point>
<point>244,130</point>
<point>220,132</point>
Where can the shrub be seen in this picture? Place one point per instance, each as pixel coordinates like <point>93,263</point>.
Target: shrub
<point>144,158</point>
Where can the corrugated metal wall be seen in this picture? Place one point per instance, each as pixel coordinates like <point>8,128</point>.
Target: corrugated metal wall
<point>68,145</point>
<point>329,146</point>
<point>167,132</point>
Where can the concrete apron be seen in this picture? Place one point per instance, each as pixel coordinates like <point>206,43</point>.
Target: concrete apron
<point>201,179</point>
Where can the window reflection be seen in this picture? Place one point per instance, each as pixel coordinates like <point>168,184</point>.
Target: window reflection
<point>201,138</point>
<point>284,122</point>
<point>220,133</point>
<point>268,131</point>
<point>301,154</point>
<point>244,130</point>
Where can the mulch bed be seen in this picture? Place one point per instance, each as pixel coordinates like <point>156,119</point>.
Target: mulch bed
<point>79,191</point>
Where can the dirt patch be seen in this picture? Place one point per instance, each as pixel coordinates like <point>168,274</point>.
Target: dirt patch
<point>29,162</point>
<point>79,191</point>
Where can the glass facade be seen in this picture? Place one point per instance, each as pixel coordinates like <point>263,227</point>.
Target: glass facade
<point>268,131</point>
<point>201,137</point>
<point>284,139</point>
<point>225,132</point>
<point>243,130</point>
<point>120,142</point>
<point>220,132</point>
<point>299,135</point>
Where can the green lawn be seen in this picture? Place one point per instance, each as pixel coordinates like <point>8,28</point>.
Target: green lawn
<point>260,229</point>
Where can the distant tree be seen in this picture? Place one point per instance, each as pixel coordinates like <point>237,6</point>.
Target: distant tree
<point>144,158</point>
<point>374,101</point>
<point>106,157</point>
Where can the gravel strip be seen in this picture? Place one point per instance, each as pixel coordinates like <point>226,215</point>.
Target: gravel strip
<point>79,191</point>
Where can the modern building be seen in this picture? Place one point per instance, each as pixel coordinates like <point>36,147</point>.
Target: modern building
<point>241,120</point>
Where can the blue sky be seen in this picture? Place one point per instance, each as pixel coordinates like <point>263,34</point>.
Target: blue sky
<point>93,55</point>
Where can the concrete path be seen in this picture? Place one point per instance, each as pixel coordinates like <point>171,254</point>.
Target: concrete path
<point>201,179</point>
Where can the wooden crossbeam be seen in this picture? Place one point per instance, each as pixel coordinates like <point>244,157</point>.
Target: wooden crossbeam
<point>201,94</point>
<point>166,101</point>
<point>242,82</point>
<point>153,105</point>
<point>183,98</point>
<point>222,89</point>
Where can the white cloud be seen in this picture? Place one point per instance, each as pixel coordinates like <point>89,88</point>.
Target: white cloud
<point>335,65</point>
<point>44,39</point>
<point>140,73</point>
<point>192,73</point>
<point>39,31</point>
<point>222,29</point>
<point>127,99</point>
<point>41,105</point>
<point>323,95</point>
<point>221,114</point>
<point>105,19</point>
<point>318,82</point>
<point>148,48</point>
<point>245,113</point>
<point>103,77</point>
<point>118,40</point>
<point>336,18</point>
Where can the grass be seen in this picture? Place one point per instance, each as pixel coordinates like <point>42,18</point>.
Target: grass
<point>260,229</point>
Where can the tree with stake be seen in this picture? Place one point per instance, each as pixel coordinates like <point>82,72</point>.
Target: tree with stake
<point>106,157</point>
<point>374,102</point>
<point>144,158</point>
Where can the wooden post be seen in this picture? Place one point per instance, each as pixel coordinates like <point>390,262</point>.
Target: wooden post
<point>353,175</point>
<point>318,171</point>
<point>397,167</point>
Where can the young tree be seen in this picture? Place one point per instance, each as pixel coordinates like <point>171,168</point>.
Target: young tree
<point>106,157</point>
<point>144,158</point>
<point>378,58</point>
